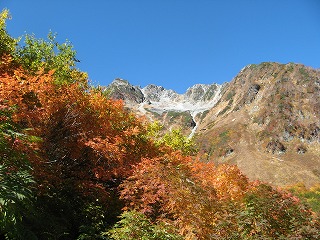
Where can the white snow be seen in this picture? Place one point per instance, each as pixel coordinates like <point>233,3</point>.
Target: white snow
<point>172,101</point>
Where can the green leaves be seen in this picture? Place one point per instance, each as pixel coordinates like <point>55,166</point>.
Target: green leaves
<point>274,214</point>
<point>309,196</point>
<point>173,139</point>
<point>94,158</point>
<point>135,225</point>
<point>15,178</point>
<point>178,141</point>
<point>7,43</point>
<point>48,54</point>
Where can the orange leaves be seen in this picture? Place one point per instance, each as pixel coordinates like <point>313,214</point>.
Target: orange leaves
<point>28,93</point>
<point>204,201</point>
<point>86,138</point>
<point>145,187</point>
<point>273,212</point>
<point>166,189</point>
<point>91,144</point>
<point>110,157</point>
<point>228,181</point>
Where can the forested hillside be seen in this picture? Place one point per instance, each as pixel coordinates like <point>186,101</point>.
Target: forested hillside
<point>75,164</point>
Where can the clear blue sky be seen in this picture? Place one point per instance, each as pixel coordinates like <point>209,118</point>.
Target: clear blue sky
<point>174,43</point>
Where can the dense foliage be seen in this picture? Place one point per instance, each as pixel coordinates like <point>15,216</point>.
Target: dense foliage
<point>75,164</point>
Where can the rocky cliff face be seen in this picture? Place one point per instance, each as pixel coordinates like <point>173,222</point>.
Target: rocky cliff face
<point>266,120</point>
<point>173,110</point>
<point>122,89</point>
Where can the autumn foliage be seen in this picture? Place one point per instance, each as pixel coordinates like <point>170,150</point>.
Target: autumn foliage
<point>204,201</point>
<point>88,142</point>
<point>72,161</point>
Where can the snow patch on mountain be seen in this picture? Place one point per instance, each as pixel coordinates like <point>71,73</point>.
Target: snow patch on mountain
<point>157,99</point>
<point>198,98</point>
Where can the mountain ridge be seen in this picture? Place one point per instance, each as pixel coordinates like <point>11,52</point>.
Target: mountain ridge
<point>266,120</point>
<point>154,101</point>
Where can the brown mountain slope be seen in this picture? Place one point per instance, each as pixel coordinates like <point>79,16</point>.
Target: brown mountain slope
<point>268,123</point>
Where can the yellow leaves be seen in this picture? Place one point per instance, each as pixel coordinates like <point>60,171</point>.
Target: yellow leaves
<point>3,16</point>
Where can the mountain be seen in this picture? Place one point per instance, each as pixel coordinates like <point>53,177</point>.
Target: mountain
<point>171,109</point>
<point>266,120</point>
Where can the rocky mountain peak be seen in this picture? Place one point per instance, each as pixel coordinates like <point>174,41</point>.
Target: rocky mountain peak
<point>157,93</point>
<point>269,116</point>
<point>122,89</point>
<point>166,105</point>
<point>199,97</point>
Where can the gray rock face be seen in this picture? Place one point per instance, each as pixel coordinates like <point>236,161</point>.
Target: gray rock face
<point>153,92</point>
<point>199,97</point>
<point>275,147</point>
<point>171,108</point>
<point>157,93</point>
<point>201,92</point>
<point>122,89</point>
<point>252,92</point>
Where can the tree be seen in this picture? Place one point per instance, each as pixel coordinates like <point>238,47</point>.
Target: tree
<point>7,43</point>
<point>72,160</point>
<point>16,181</point>
<point>173,139</point>
<point>165,190</point>
<point>205,201</point>
<point>275,213</point>
<point>89,144</point>
<point>47,55</point>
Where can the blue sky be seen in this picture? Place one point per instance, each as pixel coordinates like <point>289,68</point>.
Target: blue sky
<point>174,43</point>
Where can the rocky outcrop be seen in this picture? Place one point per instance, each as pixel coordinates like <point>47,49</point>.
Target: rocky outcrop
<point>275,147</point>
<point>251,93</point>
<point>122,89</point>
<point>154,93</point>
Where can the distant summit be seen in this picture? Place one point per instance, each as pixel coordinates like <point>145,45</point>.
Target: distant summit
<point>199,95</point>
<point>122,89</point>
<point>167,106</point>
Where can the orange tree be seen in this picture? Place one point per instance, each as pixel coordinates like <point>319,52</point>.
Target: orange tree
<point>275,214</point>
<point>203,201</point>
<point>165,190</point>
